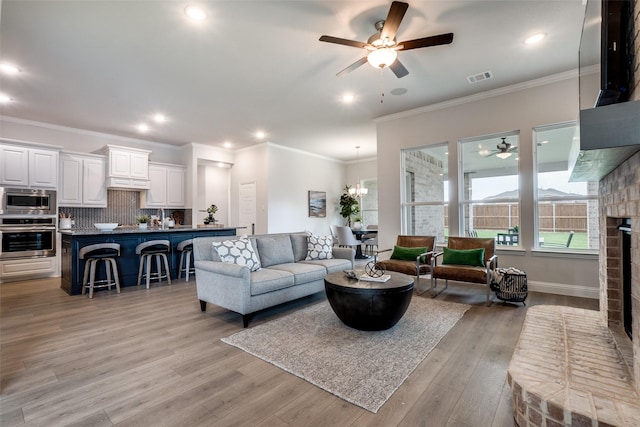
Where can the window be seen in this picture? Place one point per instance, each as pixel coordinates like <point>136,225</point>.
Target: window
<point>424,194</point>
<point>369,202</point>
<point>489,188</point>
<point>567,211</point>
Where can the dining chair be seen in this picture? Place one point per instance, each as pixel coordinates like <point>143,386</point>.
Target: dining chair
<point>345,237</point>
<point>370,240</point>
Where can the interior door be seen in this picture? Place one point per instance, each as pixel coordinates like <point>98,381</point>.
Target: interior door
<point>247,208</point>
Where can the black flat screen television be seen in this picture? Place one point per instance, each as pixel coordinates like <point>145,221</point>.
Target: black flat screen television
<point>617,54</point>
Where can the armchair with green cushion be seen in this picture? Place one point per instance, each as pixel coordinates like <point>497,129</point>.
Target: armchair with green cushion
<point>411,255</point>
<point>465,259</point>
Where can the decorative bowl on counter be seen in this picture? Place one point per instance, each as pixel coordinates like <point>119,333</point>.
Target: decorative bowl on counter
<point>106,226</point>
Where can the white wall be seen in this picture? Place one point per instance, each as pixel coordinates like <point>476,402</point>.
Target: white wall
<point>531,105</point>
<point>292,174</point>
<point>365,169</point>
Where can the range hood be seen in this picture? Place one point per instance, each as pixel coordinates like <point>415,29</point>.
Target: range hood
<point>609,135</point>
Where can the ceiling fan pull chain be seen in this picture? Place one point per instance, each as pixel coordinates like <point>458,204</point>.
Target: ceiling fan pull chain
<point>381,88</point>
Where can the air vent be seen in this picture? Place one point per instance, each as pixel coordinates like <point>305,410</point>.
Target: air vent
<point>480,77</point>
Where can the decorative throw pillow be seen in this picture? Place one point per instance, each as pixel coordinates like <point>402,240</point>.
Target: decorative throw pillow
<point>238,252</point>
<point>407,254</point>
<point>319,247</point>
<point>474,257</point>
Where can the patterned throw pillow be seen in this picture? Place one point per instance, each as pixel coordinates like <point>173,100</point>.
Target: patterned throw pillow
<point>238,252</point>
<point>319,247</point>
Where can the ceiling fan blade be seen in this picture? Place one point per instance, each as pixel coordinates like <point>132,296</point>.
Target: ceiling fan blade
<point>345,42</point>
<point>398,69</point>
<point>426,41</point>
<point>394,18</point>
<point>352,67</point>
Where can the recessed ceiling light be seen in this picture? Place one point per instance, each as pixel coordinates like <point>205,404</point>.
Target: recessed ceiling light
<point>142,127</point>
<point>5,99</point>
<point>535,38</point>
<point>10,69</point>
<point>159,118</point>
<point>348,98</point>
<point>260,134</point>
<point>196,13</point>
<point>227,144</point>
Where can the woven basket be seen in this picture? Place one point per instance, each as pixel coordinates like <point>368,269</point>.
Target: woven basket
<point>512,287</point>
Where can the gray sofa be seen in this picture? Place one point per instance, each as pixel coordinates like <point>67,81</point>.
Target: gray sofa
<point>285,274</point>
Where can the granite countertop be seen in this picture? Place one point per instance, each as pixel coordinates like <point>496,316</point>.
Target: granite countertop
<point>131,229</point>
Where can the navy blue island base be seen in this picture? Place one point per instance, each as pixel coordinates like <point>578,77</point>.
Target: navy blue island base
<point>128,238</point>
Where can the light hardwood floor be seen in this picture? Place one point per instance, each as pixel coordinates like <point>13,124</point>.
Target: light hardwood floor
<point>152,358</point>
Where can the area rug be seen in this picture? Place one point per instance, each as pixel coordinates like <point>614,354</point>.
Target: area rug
<point>364,368</point>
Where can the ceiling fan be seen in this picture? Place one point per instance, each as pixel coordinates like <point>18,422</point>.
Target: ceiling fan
<point>505,150</point>
<point>383,48</point>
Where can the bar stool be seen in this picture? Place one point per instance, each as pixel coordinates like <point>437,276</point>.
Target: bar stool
<point>151,249</point>
<point>185,248</point>
<point>106,252</point>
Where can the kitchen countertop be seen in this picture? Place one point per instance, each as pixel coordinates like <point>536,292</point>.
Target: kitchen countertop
<point>126,229</point>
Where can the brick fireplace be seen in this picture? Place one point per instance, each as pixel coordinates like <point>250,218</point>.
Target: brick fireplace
<point>576,367</point>
<point>619,199</point>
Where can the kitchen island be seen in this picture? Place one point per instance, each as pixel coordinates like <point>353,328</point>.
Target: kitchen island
<point>128,238</point>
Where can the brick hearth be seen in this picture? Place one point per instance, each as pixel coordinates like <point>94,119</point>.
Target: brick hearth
<point>567,371</point>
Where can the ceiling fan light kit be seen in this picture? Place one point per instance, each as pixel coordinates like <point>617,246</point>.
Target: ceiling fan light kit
<point>382,57</point>
<point>382,46</point>
<point>503,155</point>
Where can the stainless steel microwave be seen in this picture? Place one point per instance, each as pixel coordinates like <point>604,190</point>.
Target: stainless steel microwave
<point>27,201</point>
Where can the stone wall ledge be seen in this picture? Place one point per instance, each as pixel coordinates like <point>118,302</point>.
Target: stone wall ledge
<point>567,371</point>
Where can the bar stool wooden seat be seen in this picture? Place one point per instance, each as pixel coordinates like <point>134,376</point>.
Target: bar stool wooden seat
<point>186,249</point>
<point>157,249</point>
<point>106,252</point>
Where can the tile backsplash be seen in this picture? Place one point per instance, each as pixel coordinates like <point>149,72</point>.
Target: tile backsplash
<point>122,208</point>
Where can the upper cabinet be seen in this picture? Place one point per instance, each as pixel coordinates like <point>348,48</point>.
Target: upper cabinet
<point>28,167</point>
<point>167,187</point>
<point>127,167</point>
<point>82,181</point>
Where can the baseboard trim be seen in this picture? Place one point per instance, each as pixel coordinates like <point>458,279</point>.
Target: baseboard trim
<point>564,289</point>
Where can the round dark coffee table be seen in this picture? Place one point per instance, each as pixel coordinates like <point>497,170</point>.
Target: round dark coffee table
<point>366,305</point>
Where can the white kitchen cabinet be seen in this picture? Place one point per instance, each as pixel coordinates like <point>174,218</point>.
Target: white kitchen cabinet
<point>82,181</point>
<point>167,187</point>
<point>127,167</point>
<point>28,167</point>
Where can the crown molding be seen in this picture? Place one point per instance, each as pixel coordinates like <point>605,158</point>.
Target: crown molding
<point>554,78</point>
<point>123,139</point>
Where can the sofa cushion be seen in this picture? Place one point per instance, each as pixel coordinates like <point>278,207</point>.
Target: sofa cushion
<point>303,273</point>
<point>238,251</point>
<point>319,247</point>
<point>268,280</point>
<point>473,257</point>
<point>275,250</point>
<point>331,265</point>
<point>299,243</point>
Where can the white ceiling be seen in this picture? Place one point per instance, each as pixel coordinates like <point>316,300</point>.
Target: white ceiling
<point>108,65</point>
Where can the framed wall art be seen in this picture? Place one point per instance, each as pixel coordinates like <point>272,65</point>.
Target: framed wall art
<point>317,204</point>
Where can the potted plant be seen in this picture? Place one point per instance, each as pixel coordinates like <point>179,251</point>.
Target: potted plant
<point>211,210</point>
<point>357,223</point>
<point>142,221</point>
<point>348,205</point>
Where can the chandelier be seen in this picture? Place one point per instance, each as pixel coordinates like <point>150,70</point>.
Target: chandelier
<point>358,190</point>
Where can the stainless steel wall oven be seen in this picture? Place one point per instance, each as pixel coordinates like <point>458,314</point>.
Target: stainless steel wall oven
<point>27,237</point>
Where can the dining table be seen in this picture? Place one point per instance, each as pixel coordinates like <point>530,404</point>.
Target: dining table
<point>358,234</point>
